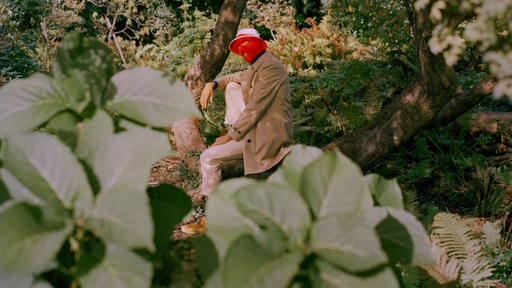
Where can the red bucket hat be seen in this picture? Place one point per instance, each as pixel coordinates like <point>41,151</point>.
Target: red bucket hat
<point>242,35</point>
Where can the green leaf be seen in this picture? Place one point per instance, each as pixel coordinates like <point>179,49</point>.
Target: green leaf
<point>169,205</point>
<point>334,185</point>
<point>92,253</point>
<point>16,280</point>
<point>215,279</point>
<point>27,103</point>
<point>386,192</point>
<point>347,243</point>
<point>65,126</point>
<point>20,192</point>
<point>277,209</point>
<point>207,260</point>
<point>147,96</point>
<point>403,222</point>
<point>125,159</point>
<point>93,133</point>
<point>21,281</point>
<point>225,222</point>
<point>49,170</point>
<point>248,264</point>
<point>29,239</point>
<point>395,240</point>
<point>290,171</point>
<point>120,268</point>
<point>83,66</point>
<point>330,276</point>
<point>122,215</point>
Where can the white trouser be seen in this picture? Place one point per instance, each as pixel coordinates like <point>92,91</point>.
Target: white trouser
<point>213,157</point>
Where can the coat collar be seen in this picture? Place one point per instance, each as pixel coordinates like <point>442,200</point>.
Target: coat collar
<point>261,58</point>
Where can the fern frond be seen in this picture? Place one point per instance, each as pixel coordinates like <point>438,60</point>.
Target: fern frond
<point>452,234</point>
<point>447,267</point>
<point>477,269</point>
<point>458,242</point>
<point>436,278</point>
<point>492,232</point>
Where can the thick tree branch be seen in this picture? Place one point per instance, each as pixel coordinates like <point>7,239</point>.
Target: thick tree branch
<point>458,105</point>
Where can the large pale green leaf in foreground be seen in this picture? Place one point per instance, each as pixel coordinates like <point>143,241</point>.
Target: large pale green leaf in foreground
<point>29,240</point>
<point>122,215</point>
<point>8,280</point>
<point>248,264</point>
<point>148,96</point>
<point>347,243</point>
<point>120,268</point>
<point>386,192</point>
<point>92,134</point>
<point>225,222</point>
<point>126,158</point>
<point>276,208</point>
<point>83,67</point>
<point>334,185</point>
<point>332,277</point>
<point>49,170</point>
<point>19,192</point>
<point>27,103</point>
<point>290,171</point>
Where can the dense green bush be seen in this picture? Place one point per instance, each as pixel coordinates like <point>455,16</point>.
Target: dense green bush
<point>316,222</point>
<point>75,205</point>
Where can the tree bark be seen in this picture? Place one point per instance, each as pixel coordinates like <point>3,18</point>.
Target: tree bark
<point>458,105</point>
<point>185,132</point>
<point>409,113</point>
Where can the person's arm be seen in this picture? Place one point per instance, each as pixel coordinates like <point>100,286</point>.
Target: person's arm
<point>220,83</point>
<point>221,140</point>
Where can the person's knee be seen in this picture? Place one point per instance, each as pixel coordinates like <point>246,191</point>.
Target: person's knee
<point>204,156</point>
<point>233,89</point>
<point>232,86</point>
<point>207,157</point>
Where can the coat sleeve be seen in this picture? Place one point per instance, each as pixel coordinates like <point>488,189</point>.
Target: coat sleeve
<point>224,80</point>
<point>266,88</point>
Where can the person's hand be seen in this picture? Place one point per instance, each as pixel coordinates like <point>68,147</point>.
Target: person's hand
<point>207,94</point>
<point>221,140</point>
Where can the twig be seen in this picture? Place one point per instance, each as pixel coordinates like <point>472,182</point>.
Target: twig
<point>112,35</point>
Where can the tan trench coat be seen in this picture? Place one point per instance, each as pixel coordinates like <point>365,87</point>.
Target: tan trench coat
<point>266,125</point>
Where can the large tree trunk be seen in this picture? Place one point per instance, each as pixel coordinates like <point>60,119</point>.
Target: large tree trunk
<point>186,135</point>
<point>411,112</point>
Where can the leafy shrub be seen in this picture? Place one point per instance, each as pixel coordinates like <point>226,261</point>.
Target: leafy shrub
<point>311,49</point>
<point>382,24</point>
<point>316,222</point>
<point>16,40</point>
<point>305,50</point>
<point>74,206</point>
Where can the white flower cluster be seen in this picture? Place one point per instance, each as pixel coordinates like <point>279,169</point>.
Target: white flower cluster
<point>493,22</point>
